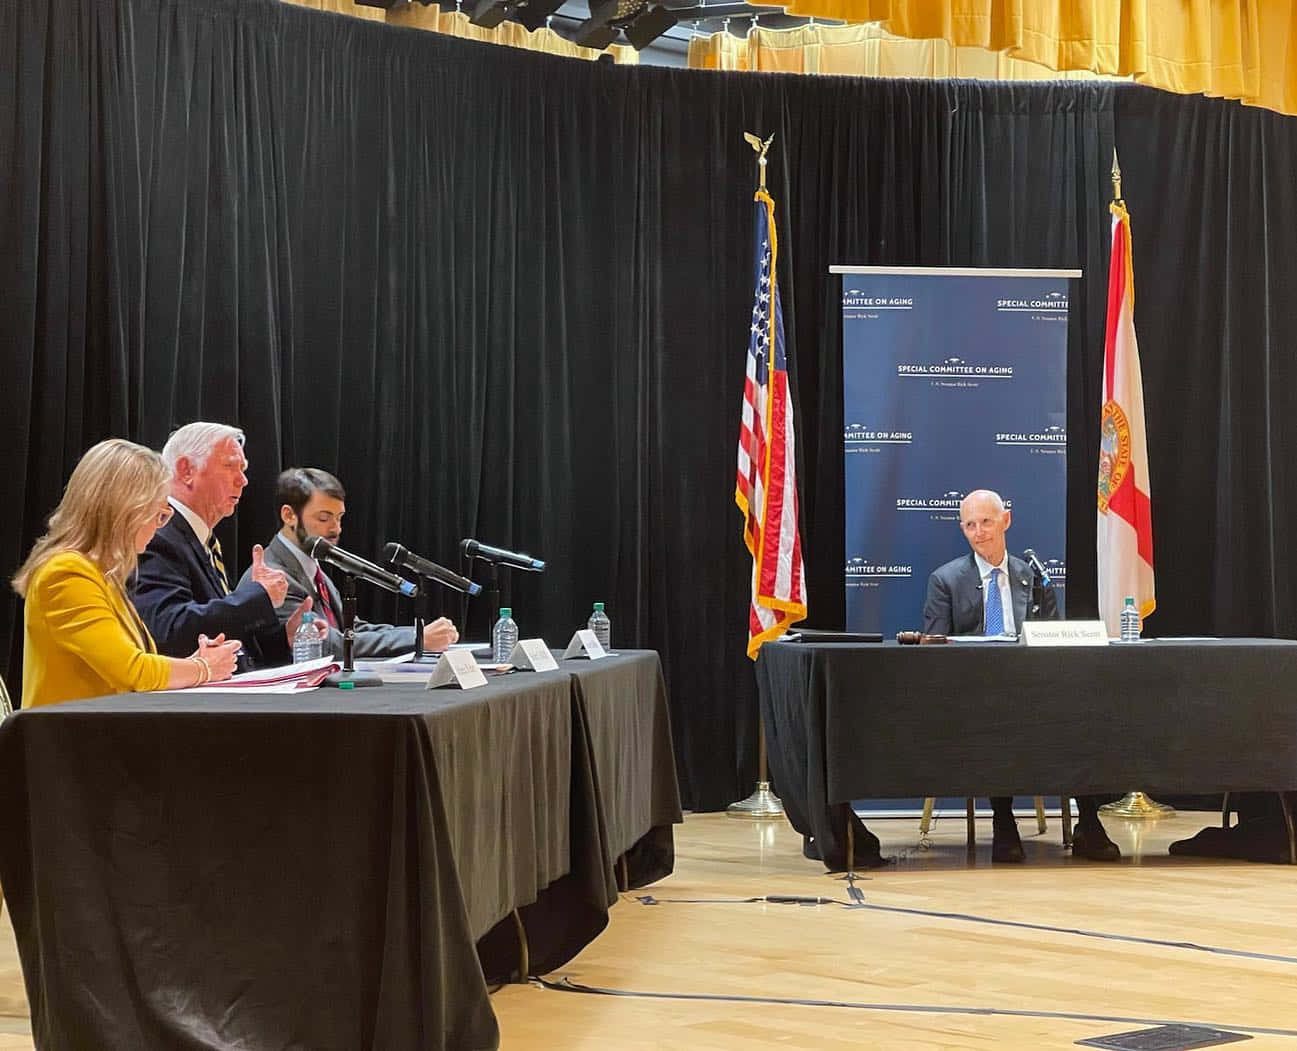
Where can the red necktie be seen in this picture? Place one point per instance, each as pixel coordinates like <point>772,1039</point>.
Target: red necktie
<point>322,590</point>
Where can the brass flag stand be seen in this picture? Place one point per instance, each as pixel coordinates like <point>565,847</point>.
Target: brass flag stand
<point>1137,805</point>
<point>762,804</point>
<point>1133,804</point>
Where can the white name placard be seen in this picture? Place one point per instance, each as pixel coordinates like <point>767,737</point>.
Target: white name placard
<point>1064,633</point>
<point>534,655</point>
<point>457,668</point>
<point>584,644</point>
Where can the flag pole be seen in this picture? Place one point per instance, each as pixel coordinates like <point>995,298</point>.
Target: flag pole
<point>762,804</point>
<point>1132,804</point>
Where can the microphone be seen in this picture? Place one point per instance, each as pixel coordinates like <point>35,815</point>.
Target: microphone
<point>1037,566</point>
<point>402,556</point>
<point>472,549</point>
<point>323,551</point>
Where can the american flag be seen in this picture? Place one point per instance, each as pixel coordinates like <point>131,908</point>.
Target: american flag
<point>767,479</point>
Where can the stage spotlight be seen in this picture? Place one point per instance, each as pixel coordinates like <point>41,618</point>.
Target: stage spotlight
<point>648,26</point>
<point>597,31</point>
<point>597,37</point>
<point>534,13</point>
<point>490,13</point>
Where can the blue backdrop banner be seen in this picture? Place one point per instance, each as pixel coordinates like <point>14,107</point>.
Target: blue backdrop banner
<point>953,380</point>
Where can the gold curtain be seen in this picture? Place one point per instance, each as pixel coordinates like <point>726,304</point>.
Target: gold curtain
<point>1227,48</point>
<point>343,7</point>
<point>456,23</point>
<point>863,50</point>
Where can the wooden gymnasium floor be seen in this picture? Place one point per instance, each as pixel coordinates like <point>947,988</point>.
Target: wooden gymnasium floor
<point>1035,953</point>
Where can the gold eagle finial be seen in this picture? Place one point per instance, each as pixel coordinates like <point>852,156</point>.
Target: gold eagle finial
<point>755,142</point>
<point>761,149</point>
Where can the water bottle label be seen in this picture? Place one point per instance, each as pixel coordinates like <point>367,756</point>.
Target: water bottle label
<point>584,644</point>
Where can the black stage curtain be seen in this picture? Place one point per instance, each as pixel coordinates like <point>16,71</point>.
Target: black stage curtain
<point>506,295</point>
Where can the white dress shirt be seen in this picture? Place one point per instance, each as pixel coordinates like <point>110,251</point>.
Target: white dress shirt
<point>201,529</point>
<point>309,565</point>
<point>1006,590</point>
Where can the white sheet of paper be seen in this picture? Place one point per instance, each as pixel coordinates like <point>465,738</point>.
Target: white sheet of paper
<point>220,687</point>
<point>284,679</point>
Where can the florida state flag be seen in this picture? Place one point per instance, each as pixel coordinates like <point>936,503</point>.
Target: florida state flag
<point>1125,513</point>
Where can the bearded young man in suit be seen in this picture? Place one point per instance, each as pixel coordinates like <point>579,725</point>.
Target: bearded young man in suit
<point>312,504</point>
<point>988,592</point>
<point>182,586</point>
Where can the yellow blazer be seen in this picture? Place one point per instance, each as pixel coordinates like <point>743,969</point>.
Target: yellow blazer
<point>82,637</point>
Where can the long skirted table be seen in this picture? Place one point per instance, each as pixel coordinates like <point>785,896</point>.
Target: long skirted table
<point>849,721</point>
<point>326,870</point>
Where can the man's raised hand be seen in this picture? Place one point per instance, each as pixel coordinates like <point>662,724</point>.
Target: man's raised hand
<point>273,580</point>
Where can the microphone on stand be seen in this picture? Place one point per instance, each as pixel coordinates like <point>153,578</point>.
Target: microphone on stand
<point>400,555</point>
<point>1039,582</point>
<point>323,551</point>
<point>499,556</point>
<point>1037,567</point>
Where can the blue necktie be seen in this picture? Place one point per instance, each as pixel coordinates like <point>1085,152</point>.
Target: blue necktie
<point>994,608</point>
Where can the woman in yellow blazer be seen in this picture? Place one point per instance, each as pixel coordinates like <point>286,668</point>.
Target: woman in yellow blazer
<point>81,634</point>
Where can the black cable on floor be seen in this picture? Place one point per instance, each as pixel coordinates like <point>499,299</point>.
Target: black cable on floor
<point>781,899</point>
<point>566,985</point>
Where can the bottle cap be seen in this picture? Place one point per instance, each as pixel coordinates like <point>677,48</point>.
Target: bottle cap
<point>599,606</point>
<point>505,611</point>
<point>307,617</point>
<point>1130,600</point>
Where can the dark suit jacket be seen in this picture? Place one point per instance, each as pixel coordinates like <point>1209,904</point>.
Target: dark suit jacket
<point>179,595</point>
<point>372,640</point>
<point>954,603</point>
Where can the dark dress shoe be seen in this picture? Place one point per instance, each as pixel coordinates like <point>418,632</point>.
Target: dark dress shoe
<point>1263,839</point>
<point>1089,840</point>
<point>1006,846</point>
<point>868,856</point>
<point>1214,841</point>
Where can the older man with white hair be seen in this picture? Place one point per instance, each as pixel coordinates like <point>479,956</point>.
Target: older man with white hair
<point>182,587</point>
<point>988,592</point>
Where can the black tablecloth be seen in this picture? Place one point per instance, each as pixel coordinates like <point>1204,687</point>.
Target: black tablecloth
<point>847,722</point>
<point>313,871</point>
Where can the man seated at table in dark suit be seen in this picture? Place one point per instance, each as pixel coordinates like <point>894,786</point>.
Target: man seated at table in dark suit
<point>312,503</point>
<point>182,587</point>
<point>988,592</point>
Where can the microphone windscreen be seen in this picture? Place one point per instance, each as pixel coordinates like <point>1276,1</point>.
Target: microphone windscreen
<point>391,552</point>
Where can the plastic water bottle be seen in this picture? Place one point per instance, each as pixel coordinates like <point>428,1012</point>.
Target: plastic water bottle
<point>1129,621</point>
<point>601,626</point>
<point>504,636</point>
<point>308,642</point>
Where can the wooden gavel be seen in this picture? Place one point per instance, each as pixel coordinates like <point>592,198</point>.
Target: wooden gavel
<point>918,638</point>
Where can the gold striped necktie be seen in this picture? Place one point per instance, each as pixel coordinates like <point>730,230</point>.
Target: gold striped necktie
<point>218,563</point>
